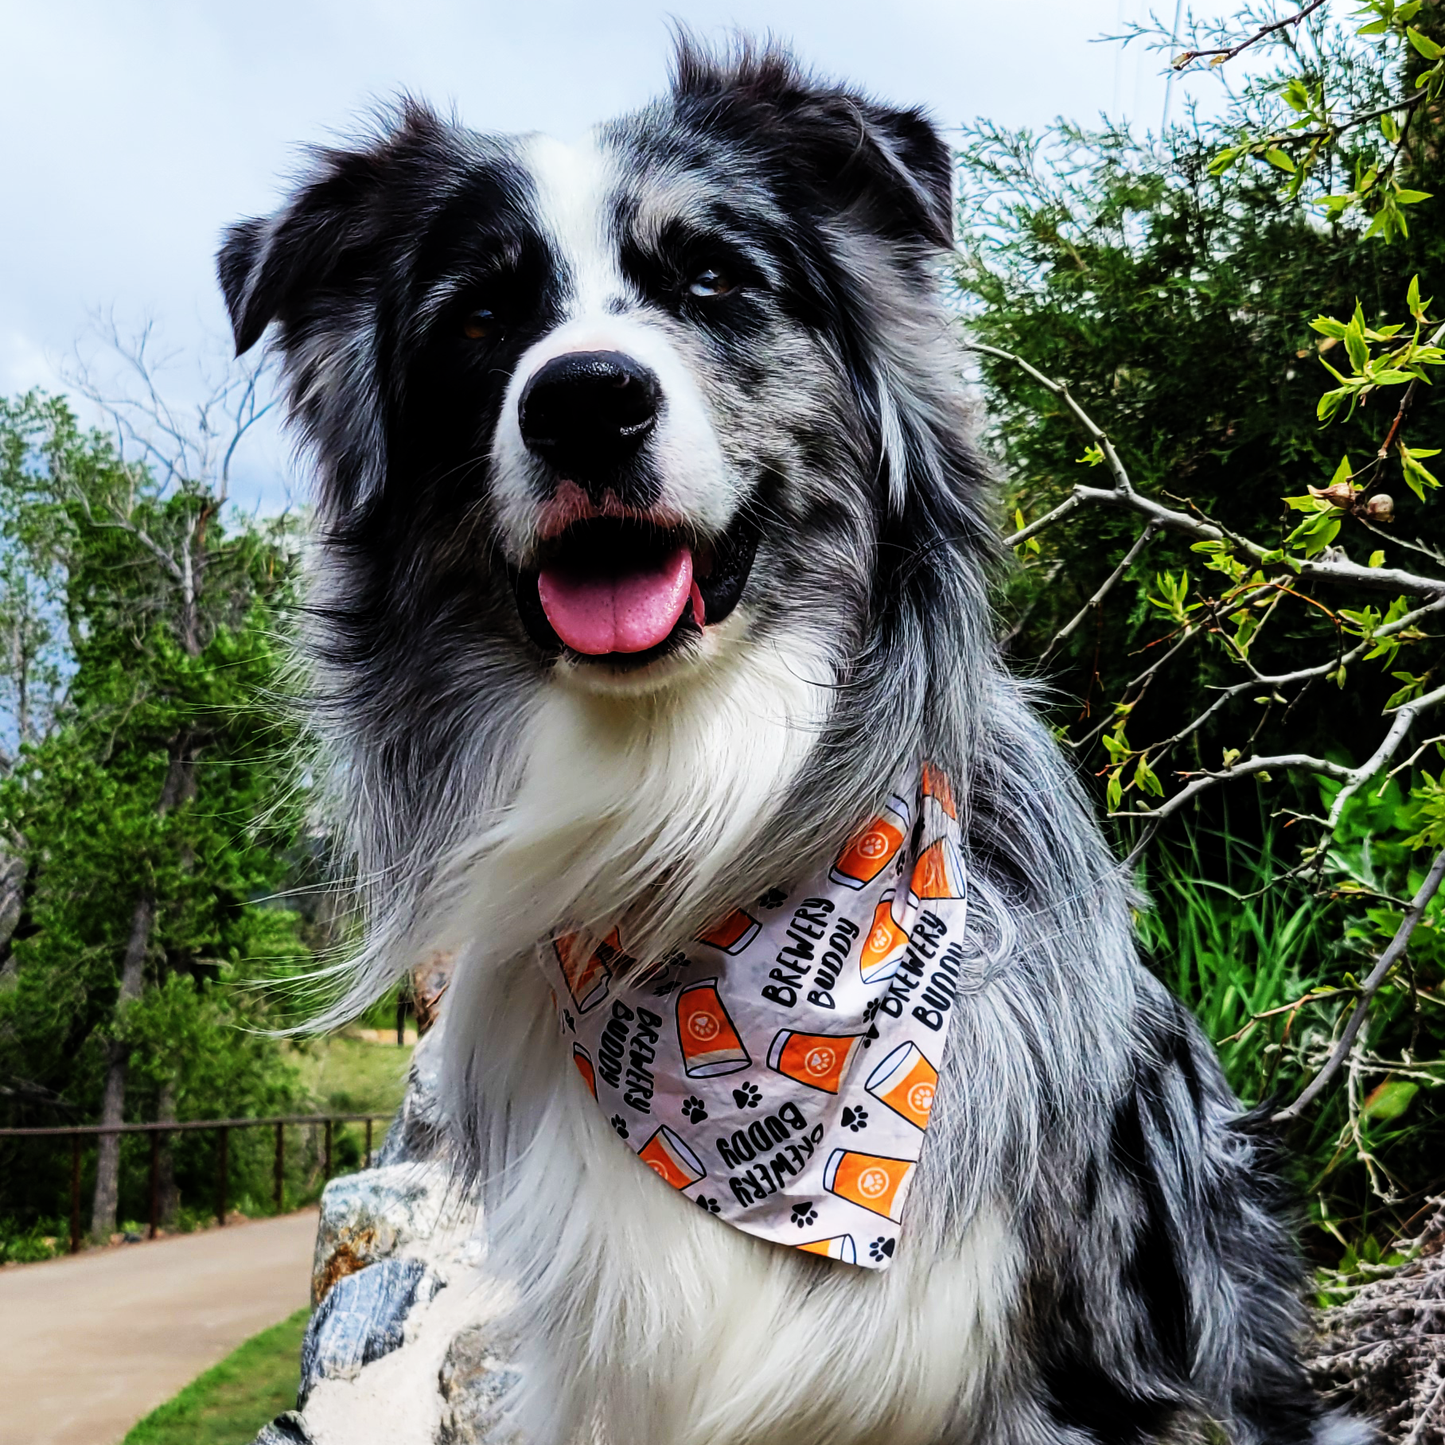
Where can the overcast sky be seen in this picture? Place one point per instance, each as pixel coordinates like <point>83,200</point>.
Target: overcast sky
<point>134,130</point>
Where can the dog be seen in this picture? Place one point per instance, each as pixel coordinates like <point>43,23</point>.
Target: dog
<point>651,547</point>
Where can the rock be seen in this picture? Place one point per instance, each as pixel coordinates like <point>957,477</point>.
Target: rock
<point>399,1351</point>
<point>375,1215</point>
<point>474,1378</point>
<point>362,1318</point>
<point>418,1134</point>
<point>287,1429</point>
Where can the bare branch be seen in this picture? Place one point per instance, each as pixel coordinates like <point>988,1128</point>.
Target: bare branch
<point>1096,601</point>
<point>1226,53</point>
<point>1123,496</point>
<point>1377,975</point>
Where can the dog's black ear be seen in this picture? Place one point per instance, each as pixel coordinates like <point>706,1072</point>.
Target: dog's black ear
<point>268,266</point>
<point>888,168</point>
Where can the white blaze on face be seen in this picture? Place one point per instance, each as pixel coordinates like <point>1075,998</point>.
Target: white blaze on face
<point>574,187</point>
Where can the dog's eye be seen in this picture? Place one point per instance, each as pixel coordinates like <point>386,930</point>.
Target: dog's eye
<point>479,324</point>
<point>710,282</point>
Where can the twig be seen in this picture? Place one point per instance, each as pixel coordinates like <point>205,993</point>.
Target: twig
<point>1123,495</point>
<point>1228,53</point>
<point>1368,989</point>
<point>1096,601</point>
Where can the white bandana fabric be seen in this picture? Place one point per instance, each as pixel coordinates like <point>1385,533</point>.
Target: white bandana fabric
<point>780,1070</point>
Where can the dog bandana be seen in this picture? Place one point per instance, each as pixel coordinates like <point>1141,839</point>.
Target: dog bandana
<point>780,1070</point>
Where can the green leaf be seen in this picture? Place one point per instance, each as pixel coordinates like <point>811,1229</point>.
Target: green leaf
<point>1427,47</point>
<point>1377,559</point>
<point>1390,1100</point>
<point>1328,326</point>
<point>1355,343</point>
<point>1280,159</point>
<point>1411,198</point>
<point>1145,779</point>
<point>1115,792</point>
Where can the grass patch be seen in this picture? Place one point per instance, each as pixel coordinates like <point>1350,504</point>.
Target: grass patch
<point>348,1075</point>
<point>232,1401</point>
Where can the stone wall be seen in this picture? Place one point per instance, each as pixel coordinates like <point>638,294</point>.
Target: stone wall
<point>400,1348</point>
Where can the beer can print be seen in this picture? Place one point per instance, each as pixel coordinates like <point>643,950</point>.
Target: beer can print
<point>939,871</point>
<point>588,979</point>
<point>937,787</point>
<point>905,1081</point>
<point>868,1180</point>
<point>884,946</point>
<point>733,933</point>
<point>670,1159</point>
<point>818,1060</point>
<point>583,1060</point>
<point>873,848</point>
<point>841,1246</point>
<point>709,1042</point>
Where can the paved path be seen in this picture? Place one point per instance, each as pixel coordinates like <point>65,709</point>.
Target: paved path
<point>90,1343</point>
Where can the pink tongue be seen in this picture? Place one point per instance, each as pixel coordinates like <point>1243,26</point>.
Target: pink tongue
<point>595,613</point>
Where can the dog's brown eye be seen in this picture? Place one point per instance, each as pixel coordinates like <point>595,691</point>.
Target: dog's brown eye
<point>479,325</point>
<point>710,283</point>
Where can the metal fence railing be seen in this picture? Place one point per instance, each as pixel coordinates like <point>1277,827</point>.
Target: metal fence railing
<point>158,1131</point>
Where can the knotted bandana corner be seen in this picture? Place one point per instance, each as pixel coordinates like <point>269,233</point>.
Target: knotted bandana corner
<point>780,1070</point>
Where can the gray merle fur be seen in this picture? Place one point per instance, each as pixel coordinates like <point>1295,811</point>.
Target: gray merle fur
<point>1160,1282</point>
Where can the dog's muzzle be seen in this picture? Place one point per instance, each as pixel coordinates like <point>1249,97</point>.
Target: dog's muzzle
<point>616,577</point>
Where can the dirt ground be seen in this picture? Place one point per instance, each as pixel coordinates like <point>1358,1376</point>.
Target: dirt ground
<point>92,1342</point>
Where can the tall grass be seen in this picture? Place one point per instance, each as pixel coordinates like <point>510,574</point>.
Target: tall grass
<point>1270,970</point>
<point>1236,950</point>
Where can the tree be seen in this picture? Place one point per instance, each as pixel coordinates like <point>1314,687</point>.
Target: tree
<point>146,809</point>
<point>1215,343</point>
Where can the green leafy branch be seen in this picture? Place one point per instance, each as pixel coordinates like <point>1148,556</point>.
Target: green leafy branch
<point>1300,147</point>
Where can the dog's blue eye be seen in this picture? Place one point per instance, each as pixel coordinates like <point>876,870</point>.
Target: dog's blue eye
<point>480,324</point>
<point>710,283</point>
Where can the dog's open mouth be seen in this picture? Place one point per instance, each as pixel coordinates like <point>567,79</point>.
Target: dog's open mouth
<point>627,591</point>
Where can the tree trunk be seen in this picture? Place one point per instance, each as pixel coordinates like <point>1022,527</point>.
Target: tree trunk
<point>117,1064</point>
<point>179,787</point>
<point>170,1196</point>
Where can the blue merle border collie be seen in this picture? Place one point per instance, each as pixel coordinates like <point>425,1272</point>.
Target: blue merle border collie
<point>701,368</point>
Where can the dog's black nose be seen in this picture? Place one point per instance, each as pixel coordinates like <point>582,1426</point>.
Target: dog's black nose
<point>588,410</point>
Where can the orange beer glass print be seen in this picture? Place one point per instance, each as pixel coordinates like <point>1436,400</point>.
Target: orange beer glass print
<point>583,1060</point>
<point>905,1081</point>
<point>871,850</point>
<point>733,933</point>
<point>588,979</point>
<point>710,1044</point>
<point>884,946</point>
<point>670,1159</point>
<point>939,871</point>
<point>937,787</point>
<point>868,1180</point>
<point>817,1060</point>
<point>841,1246</point>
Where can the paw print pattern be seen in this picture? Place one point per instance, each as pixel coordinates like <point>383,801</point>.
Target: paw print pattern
<point>804,1214</point>
<point>882,1248</point>
<point>871,1011</point>
<point>855,1119</point>
<point>711,1205</point>
<point>695,1109</point>
<point>569,1021</point>
<point>748,1097</point>
<point>620,1124</point>
<point>773,898</point>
